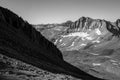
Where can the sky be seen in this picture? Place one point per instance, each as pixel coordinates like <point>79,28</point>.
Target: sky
<point>58,11</point>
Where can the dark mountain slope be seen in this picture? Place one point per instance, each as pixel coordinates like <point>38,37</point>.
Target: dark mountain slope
<point>19,40</point>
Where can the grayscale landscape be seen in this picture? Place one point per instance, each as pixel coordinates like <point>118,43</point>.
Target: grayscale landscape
<point>59,40</point>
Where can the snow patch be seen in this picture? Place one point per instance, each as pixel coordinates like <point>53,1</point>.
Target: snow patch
<point>79,34</point>
<point>98,31</point>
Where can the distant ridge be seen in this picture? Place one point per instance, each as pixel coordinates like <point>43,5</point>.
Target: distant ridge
<point>88,23</point>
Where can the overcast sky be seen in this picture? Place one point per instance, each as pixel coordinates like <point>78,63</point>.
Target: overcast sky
<point>57,11</point>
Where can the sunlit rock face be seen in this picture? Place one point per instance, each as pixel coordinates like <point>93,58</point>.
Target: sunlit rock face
<point>92,43</point>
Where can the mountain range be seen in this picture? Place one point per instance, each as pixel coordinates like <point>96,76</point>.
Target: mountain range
<point>89,44</point>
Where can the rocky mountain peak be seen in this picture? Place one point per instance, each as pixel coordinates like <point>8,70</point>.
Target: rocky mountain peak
<point>86,28</point>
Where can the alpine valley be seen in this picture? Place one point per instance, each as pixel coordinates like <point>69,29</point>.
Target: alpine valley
<point>87,49</point>
<point>92,45</point>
